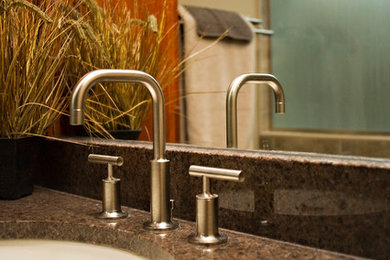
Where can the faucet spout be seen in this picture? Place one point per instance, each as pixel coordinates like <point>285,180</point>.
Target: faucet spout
<point>112,75</point>
<point>231,101</point>
<point>159,202</point>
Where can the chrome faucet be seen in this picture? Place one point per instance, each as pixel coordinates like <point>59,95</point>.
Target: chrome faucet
<point>231,101</point>
<point>160,204</point>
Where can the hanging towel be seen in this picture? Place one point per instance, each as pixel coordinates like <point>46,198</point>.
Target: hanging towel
<point>212,23</point>
<point>206,80</point>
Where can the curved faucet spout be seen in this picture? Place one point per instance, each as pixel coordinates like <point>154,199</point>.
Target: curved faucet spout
<point>112,75</point>
<point>231,101</point>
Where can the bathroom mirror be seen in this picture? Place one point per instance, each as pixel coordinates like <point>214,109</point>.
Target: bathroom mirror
<point>338,91</point>
<point>332,59</point>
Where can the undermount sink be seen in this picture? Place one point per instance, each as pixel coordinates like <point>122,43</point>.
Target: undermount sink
<point>60,250</point>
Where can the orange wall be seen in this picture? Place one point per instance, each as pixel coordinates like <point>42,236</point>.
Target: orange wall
<point>171,93</point>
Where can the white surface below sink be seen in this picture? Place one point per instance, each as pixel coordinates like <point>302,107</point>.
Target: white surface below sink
<point>60,250</point>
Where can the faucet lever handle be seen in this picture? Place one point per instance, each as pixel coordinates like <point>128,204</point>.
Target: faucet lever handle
<point>111,187</point>
<point>207,204</point>
<point>216,173</point>
<point>105,159</point>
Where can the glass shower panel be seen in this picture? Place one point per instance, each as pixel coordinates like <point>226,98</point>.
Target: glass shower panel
<point>333,59</point>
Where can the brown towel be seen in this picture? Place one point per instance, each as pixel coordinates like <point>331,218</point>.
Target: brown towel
<point>212,23</point>
<point>206,80</point>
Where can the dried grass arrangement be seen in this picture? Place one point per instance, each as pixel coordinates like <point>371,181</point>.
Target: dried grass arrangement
<point>46,48</point>
<point>33,91</point>
<point>114,37</point>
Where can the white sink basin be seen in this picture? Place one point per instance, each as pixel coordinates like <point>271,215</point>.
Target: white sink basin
<point>60,250</point>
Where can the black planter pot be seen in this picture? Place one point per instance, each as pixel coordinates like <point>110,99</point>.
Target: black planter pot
<point>126,134</point>
<point>18,162</point>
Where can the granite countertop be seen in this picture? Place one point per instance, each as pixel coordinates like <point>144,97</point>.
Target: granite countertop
<point>49,214</point>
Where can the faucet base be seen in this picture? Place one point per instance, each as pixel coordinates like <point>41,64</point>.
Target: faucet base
<point>207,240</point>
<point>160,225</point>
<point>112,215</point>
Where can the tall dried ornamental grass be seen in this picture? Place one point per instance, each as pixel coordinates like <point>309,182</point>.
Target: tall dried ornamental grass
<point>33,90</point>
<point>114,37</point>
<point>46,49</point>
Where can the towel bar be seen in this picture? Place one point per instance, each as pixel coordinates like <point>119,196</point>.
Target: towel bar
<point>264,31</point>
<point>257,21</point>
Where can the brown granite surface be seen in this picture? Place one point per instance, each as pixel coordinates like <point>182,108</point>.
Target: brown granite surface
<point>330,202</point>
<point>49,214</point>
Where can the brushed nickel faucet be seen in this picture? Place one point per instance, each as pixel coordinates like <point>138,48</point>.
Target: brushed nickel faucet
<point>111,187</point>
<point>160,204</point>
<point>231,101</point>
<point>207,204</point>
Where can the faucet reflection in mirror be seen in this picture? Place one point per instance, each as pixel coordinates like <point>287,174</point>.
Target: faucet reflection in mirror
<point>231,101</point>
<point>161,217</point>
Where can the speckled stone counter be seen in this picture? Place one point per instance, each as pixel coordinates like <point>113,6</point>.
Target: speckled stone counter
<point>330,202</point>
<point>55,215</point>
